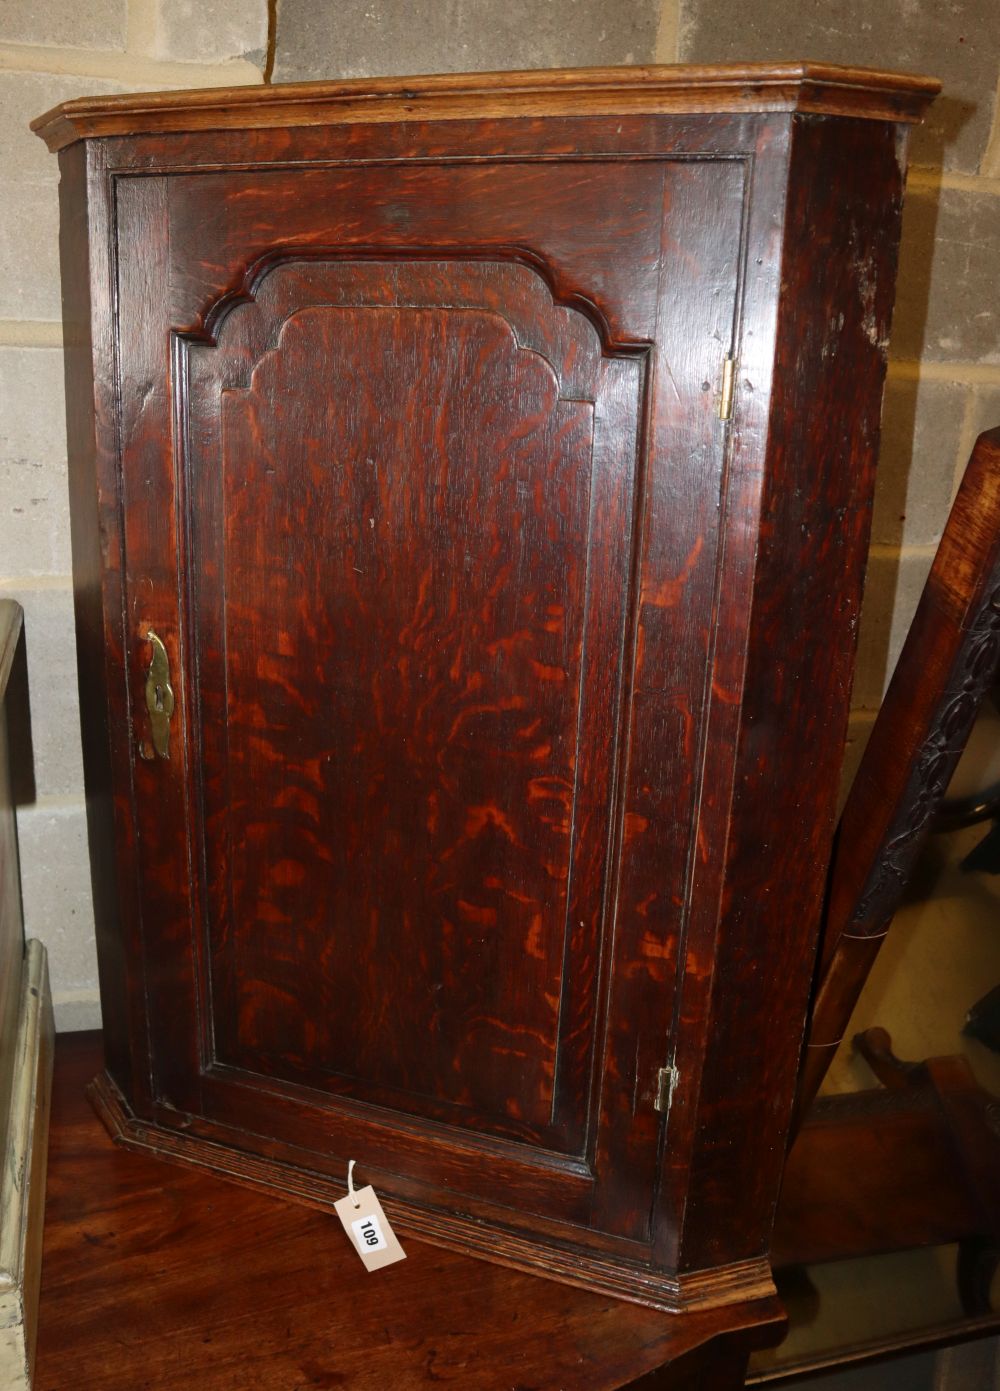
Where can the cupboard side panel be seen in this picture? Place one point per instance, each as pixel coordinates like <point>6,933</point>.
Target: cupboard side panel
<point>841,233</point>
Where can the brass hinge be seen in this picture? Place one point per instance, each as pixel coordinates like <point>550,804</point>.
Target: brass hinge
<point>666,1081</point>
<point>725,407</point>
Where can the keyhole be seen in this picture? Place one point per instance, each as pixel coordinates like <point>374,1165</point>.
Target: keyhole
<point>159,698</point>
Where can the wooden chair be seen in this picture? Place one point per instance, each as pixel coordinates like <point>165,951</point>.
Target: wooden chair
<point>915,1163</point>
<point>948,663</point>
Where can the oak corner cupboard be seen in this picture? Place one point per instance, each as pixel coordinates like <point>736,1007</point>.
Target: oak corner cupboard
<point>471,481</point>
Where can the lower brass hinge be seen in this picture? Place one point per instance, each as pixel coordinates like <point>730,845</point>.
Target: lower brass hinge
<point>666,1081</point>
<point>725,406</point>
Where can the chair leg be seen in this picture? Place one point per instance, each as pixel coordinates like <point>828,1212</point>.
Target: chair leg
<point>875,1046</point>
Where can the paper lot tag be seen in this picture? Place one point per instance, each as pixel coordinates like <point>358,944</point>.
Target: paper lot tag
<point>366,1224</point>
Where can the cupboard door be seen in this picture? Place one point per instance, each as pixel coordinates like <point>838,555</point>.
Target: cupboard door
<point>439,548</point>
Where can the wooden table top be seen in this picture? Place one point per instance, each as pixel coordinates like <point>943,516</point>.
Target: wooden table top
<point>159,1276</point>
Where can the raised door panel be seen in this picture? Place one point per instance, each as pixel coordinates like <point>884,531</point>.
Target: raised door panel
<point>408,561</point>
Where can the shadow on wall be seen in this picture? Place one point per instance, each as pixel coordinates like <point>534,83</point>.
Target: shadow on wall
<point>22,753</point>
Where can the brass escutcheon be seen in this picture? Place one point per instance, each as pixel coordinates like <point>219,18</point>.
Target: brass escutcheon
<point>159,695</point>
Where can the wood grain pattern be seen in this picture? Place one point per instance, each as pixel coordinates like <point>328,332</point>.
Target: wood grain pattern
<point>492,697</point>
<point>444,721</point>
<point>803,584</point>
<point>673,206</point>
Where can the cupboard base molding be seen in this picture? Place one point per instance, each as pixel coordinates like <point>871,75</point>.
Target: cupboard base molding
<point>22,1182</point>
<point>740,1283</point>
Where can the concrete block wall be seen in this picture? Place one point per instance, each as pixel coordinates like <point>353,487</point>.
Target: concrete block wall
<point>51,50</point>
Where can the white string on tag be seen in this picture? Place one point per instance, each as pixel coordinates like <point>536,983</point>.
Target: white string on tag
<point>355,1201</point>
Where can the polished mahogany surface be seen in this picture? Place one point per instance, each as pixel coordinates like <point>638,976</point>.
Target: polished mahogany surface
<point>498,482</point>
<point>157,1276</point>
